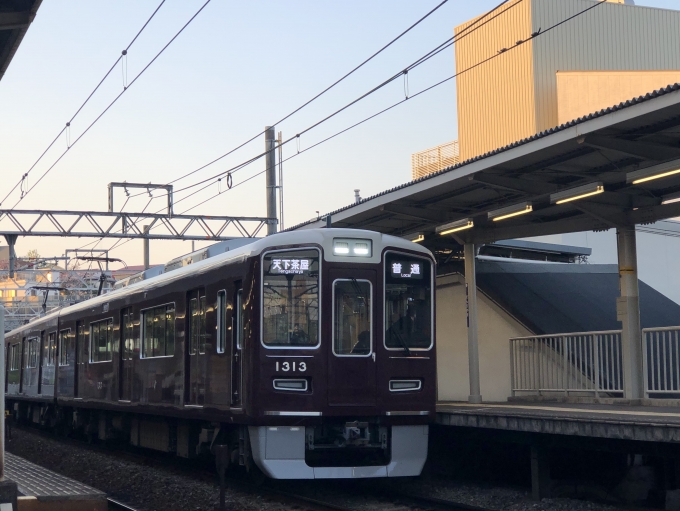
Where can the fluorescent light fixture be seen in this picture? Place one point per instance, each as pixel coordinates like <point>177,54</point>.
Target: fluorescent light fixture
<point>580,192</point>
<point>510,211</point>
<point>352,247</point>
<point>651,173</point>
<point>451,227</point>
<point>415,237</point>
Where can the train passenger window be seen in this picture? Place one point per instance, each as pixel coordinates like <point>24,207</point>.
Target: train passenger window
<point>15,357</point>
<point>64,337</point>
<point>352,330</point>
<point>101,337</point>
<point>158,331</point>
<point>290,312</point>
<point>408,302</point>
<point>50,349</point>
<point>32,351</point>
<point>222,328</point>
<point>129,342</point>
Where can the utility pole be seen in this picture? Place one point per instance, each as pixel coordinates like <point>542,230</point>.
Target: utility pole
<point>269,145</point>
<point>11,241</point>
<point>280,143</point>
<point>146,249</point>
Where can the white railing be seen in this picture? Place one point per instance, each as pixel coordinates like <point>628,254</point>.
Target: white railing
<point>574,362</point>
<point>661,360</point>
<point>434,159</point>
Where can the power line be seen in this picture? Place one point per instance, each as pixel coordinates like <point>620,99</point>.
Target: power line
<point>113,102</point>
<point>68,124</point>
<point>470,68</point>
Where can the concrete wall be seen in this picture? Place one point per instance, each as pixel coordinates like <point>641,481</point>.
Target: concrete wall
<point>495,329</point>
<point>583,92</point>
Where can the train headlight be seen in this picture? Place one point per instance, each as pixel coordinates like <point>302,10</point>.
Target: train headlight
<point>405,385</point>
<point>297,385</point>
<point>352,248</point>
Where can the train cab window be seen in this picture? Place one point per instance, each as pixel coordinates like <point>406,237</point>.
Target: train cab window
<point>352,331</point>
<point>158,331</point>
<point>101,338</point>
<point>50,349</point>
<point>290,312</point>
<point>408,302</point>
<point>64,338</point>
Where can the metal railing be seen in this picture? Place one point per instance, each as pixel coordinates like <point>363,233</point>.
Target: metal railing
<point>661,360</point>
<point>574,362</point>
<point>434,159</point>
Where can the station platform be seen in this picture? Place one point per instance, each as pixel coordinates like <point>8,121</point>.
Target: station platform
<point>613,421</point>
<point>43,490</point>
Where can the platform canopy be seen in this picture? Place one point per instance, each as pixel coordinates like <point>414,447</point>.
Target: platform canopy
<point>613,168</point>
<point>15,18</point>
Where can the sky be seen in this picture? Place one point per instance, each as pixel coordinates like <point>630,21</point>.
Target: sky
<point>238,67</point>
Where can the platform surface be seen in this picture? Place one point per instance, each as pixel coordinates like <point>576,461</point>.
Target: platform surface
<point>35,481</point>
<point>645,423</point>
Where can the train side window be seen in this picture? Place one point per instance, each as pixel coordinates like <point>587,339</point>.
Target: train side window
<point>221,320</point>
<point>101,333</point>
<point>128,325</point>
<point>33,348</point>
<point>64,336</point>
<point>15,357</point>
<point>50,348</point>
<point>352,328</point>
<point>240,323</point>
<point>201,322</point>
<point>158,331</point>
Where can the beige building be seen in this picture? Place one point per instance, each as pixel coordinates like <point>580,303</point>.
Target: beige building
<point>610,54</point>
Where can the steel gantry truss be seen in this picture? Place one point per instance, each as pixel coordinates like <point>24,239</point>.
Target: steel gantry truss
<point>98,224</point>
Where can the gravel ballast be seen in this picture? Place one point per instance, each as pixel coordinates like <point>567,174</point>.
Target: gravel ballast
<point>149,486</point>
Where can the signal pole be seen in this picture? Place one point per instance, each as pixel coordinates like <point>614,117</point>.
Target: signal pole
<point>269,145</point>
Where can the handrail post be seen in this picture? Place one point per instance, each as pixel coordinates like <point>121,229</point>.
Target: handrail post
<point>645,372</point>
<point>565,368</point>
<point>512,369</point>
<point>596,363</point>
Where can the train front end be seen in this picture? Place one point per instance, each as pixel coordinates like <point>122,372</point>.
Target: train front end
<point>346,380</point>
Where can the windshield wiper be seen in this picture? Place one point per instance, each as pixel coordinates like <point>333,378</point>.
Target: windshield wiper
<point>401,340</point>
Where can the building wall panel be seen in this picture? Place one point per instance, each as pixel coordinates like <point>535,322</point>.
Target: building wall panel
<point>609,37</point>
<point>580,93</point>
<point>495,99</point>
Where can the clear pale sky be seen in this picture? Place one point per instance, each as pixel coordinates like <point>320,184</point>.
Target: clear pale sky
<point>238,67</point>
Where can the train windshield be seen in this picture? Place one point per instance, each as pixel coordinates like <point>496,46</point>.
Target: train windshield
<point>291,298</point>
<point>408,302</point>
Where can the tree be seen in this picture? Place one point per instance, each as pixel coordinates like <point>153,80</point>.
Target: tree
<point>32,254</point>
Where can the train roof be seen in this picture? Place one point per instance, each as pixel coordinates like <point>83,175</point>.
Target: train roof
<point>322,237</point>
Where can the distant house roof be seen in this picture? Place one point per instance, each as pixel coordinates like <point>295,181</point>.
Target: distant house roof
<point>561,298</point>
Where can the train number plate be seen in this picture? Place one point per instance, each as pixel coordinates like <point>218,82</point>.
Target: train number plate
<point>287,367</point>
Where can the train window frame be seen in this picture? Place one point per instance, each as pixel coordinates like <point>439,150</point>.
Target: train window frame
<point>432,296</point>
<point>370,317</point>
<point>110,343</point>
<point>221,321</point>
<point>142,331</point>
<point>127,318</point>
<point>32,355</point>
<point>320,294</point>
<point>63,337</point>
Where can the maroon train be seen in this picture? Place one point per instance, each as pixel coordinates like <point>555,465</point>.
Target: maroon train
<point>309,353</point>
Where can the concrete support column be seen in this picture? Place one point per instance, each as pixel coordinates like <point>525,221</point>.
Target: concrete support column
<point>11,240</point>
<point>473,344</point>
<point>628,313</point>
<point>540,473</point>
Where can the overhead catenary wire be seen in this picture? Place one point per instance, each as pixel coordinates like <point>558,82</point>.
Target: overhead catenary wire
<point>68,123</point>
<point>466,31</point>
<point>114,100</point>
<point>394,105</point>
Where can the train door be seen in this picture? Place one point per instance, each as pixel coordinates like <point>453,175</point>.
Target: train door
<point>195,358</point>
<point>81,360</point>
<point>127,351</point>
<point>351,366</point>
<point>237,352</point>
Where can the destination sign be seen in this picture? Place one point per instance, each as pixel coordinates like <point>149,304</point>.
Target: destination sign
<point>406,270</point>
<point>290,266</point>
